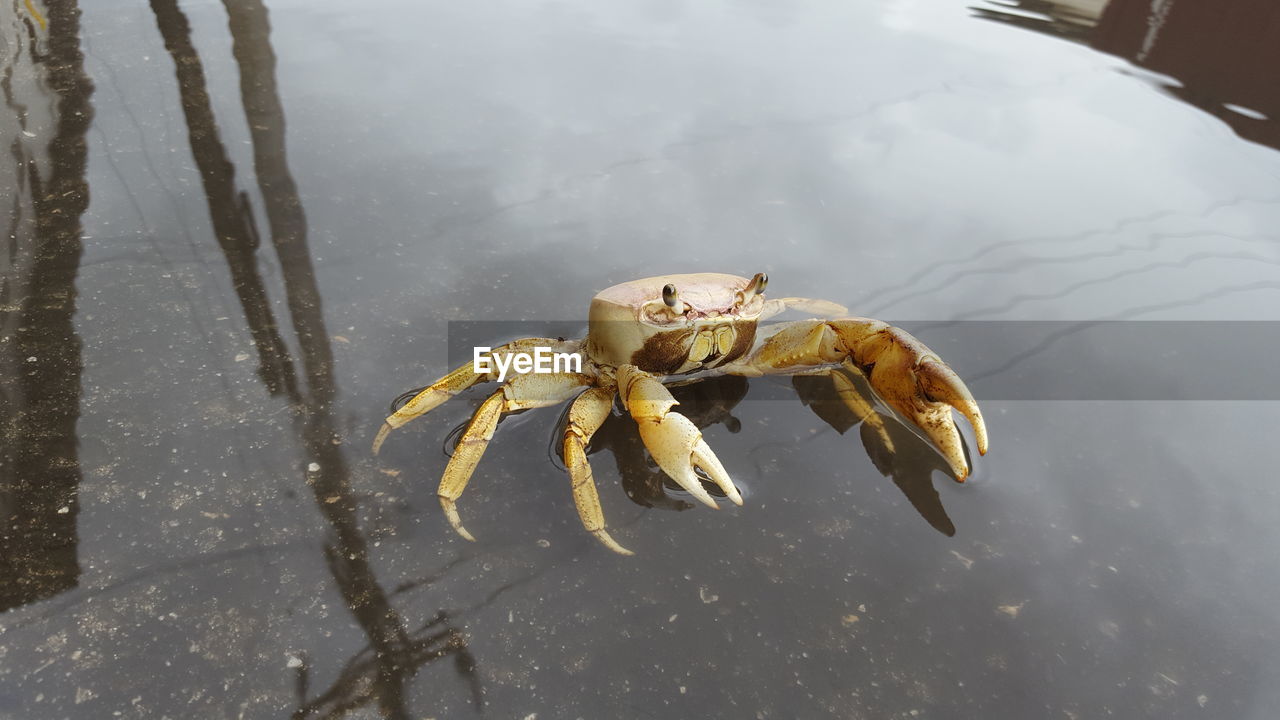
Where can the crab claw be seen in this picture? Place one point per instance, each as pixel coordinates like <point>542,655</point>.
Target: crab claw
<point>911,379</point>
<point>940,383</point>
<point>677,446</point>
<point>925,395</point>
<point>673,440</point>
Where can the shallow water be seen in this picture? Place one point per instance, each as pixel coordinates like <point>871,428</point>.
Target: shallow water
<point>235,236</point>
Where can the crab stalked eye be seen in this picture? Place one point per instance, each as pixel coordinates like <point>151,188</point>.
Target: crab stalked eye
<point>753,288</point>
<point>670,296</point>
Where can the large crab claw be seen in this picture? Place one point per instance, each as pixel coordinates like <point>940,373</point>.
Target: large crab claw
<point>673,440</point>
<point>916,383</point>
<point>905,373</point>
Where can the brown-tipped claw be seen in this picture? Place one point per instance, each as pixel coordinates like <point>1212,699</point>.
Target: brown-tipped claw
<point>925,392</point>
<point>942,384</point>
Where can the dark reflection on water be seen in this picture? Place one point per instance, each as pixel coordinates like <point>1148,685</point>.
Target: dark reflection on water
<point>193,525</point>
<point>233,222</point>
<point>897,452</point>
<point>1221,59</point>
<point>40,359</point>
<point>375,676</point>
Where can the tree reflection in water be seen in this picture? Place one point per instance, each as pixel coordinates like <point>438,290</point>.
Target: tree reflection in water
<point>378,675</point>
<point>40,358</point>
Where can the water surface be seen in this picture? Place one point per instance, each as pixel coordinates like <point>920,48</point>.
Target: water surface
<point>237,231</point>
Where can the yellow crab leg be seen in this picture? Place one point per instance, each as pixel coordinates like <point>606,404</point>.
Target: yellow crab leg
<point>522,392</point>
<point>448,386</point>
<point>586,415</point>
<point>428,400</point>
<point>465,457</point>
<point>673,440</point>
<point>819,308</point>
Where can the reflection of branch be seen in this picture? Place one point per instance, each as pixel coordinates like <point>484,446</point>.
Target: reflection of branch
<point>228,210</point>
<point>1054,337</point>
<point>1014,267</point>
<point>912,284</point>
<point>1018,300</point>
<point>357,684</point>
<point>39,462</point>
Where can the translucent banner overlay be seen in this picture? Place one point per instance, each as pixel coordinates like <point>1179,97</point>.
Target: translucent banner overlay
<point>1037,360</point>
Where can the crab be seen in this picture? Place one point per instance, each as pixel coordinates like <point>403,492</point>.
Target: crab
<point>646,334</point>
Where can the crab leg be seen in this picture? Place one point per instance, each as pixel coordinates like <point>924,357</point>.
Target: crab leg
<point>427,400</point>
<point>823,308</point>
<point>448,386</point>
<point>673,440</point>
<point>908,376</point>
<point>463,463</point>
<point>586,415</point>
<point>522,392</point>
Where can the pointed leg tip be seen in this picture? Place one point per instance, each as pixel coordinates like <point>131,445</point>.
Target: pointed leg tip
<point>381,437</point>
<point>466,534</point>
<point>451,512</point>
<point>607,540</point>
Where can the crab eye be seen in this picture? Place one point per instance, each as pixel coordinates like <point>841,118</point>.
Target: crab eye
<point>670,296</point>
<point>753,288</point>
<point>759,282</point>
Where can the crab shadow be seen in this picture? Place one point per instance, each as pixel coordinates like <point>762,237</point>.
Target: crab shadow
<point>898,454</point>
